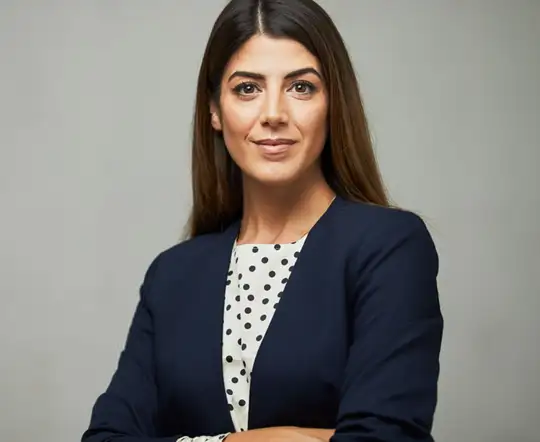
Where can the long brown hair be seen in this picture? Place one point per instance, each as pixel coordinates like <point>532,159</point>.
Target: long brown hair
<point>347,160</point>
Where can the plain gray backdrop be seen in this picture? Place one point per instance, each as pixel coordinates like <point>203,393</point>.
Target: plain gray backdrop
<point>96,100</point>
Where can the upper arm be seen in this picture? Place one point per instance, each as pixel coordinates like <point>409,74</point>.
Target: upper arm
<point>128,407</point>
<point>390,386</point>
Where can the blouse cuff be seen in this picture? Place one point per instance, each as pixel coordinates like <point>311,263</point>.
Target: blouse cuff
<point>217,438</point>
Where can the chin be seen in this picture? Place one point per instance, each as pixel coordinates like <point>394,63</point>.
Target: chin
<point>275,178</point>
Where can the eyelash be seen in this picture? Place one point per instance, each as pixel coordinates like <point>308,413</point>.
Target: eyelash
<point>311,87</point>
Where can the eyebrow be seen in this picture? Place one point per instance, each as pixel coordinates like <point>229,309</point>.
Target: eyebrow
<point>293,74</point>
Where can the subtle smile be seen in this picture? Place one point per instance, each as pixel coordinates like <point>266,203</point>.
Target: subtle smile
<point>274,146</point>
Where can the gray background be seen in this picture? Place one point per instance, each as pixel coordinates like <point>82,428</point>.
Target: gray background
<point>95,109</point>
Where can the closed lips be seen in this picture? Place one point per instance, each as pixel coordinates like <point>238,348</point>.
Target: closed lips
<point>275,142</point>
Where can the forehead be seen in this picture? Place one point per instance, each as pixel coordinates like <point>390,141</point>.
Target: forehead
<point>268,56</point>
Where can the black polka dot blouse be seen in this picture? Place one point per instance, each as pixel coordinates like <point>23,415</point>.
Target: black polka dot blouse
<point>256,280</point>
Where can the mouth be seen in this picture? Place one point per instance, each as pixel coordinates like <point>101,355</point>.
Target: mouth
<point>274,146</point>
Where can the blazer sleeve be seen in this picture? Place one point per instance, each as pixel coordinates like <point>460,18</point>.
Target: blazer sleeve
<point>127,410</point>
<point>390,389</point>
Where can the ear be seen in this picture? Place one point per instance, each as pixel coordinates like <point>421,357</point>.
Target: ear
<point>215,117</point>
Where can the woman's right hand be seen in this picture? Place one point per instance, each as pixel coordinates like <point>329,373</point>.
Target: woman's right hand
<point>282,434</point>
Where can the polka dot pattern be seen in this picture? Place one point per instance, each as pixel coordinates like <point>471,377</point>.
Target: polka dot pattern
<point>256,280</point>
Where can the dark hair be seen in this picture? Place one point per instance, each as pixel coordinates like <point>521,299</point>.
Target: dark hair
<point>347,160</point>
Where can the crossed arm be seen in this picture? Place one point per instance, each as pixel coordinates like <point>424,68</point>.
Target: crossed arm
<point>274,434</point>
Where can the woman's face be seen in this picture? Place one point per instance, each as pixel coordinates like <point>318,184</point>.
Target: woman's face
<point>273,111</point>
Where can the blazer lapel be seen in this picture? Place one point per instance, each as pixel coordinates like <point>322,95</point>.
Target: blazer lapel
<point>291,328</point>
<point>207,310</point>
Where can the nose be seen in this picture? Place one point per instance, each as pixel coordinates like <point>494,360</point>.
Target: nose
<point>274,111</point>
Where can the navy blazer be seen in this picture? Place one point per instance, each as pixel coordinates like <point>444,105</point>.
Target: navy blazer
<point>353,345</point>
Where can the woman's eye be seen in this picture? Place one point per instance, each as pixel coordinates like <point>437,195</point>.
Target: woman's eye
<point>245,89</point>
<point>303,88</point>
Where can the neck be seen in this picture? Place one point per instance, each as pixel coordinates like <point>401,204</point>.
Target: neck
<point>282,214</point>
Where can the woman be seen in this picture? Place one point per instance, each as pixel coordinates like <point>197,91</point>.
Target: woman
<point>301,307</point>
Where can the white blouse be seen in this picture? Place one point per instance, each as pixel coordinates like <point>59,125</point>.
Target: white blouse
<point>255,282</point>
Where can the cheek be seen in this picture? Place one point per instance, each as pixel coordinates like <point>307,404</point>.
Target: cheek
<point>239,119</point>
<point>312,122</point>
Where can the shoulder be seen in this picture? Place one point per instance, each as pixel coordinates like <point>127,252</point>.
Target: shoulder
<point>189,249</point>
<point>376,234</point>
<point>373,220</point>
<point>392,263</point>
<point>182,258</point>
